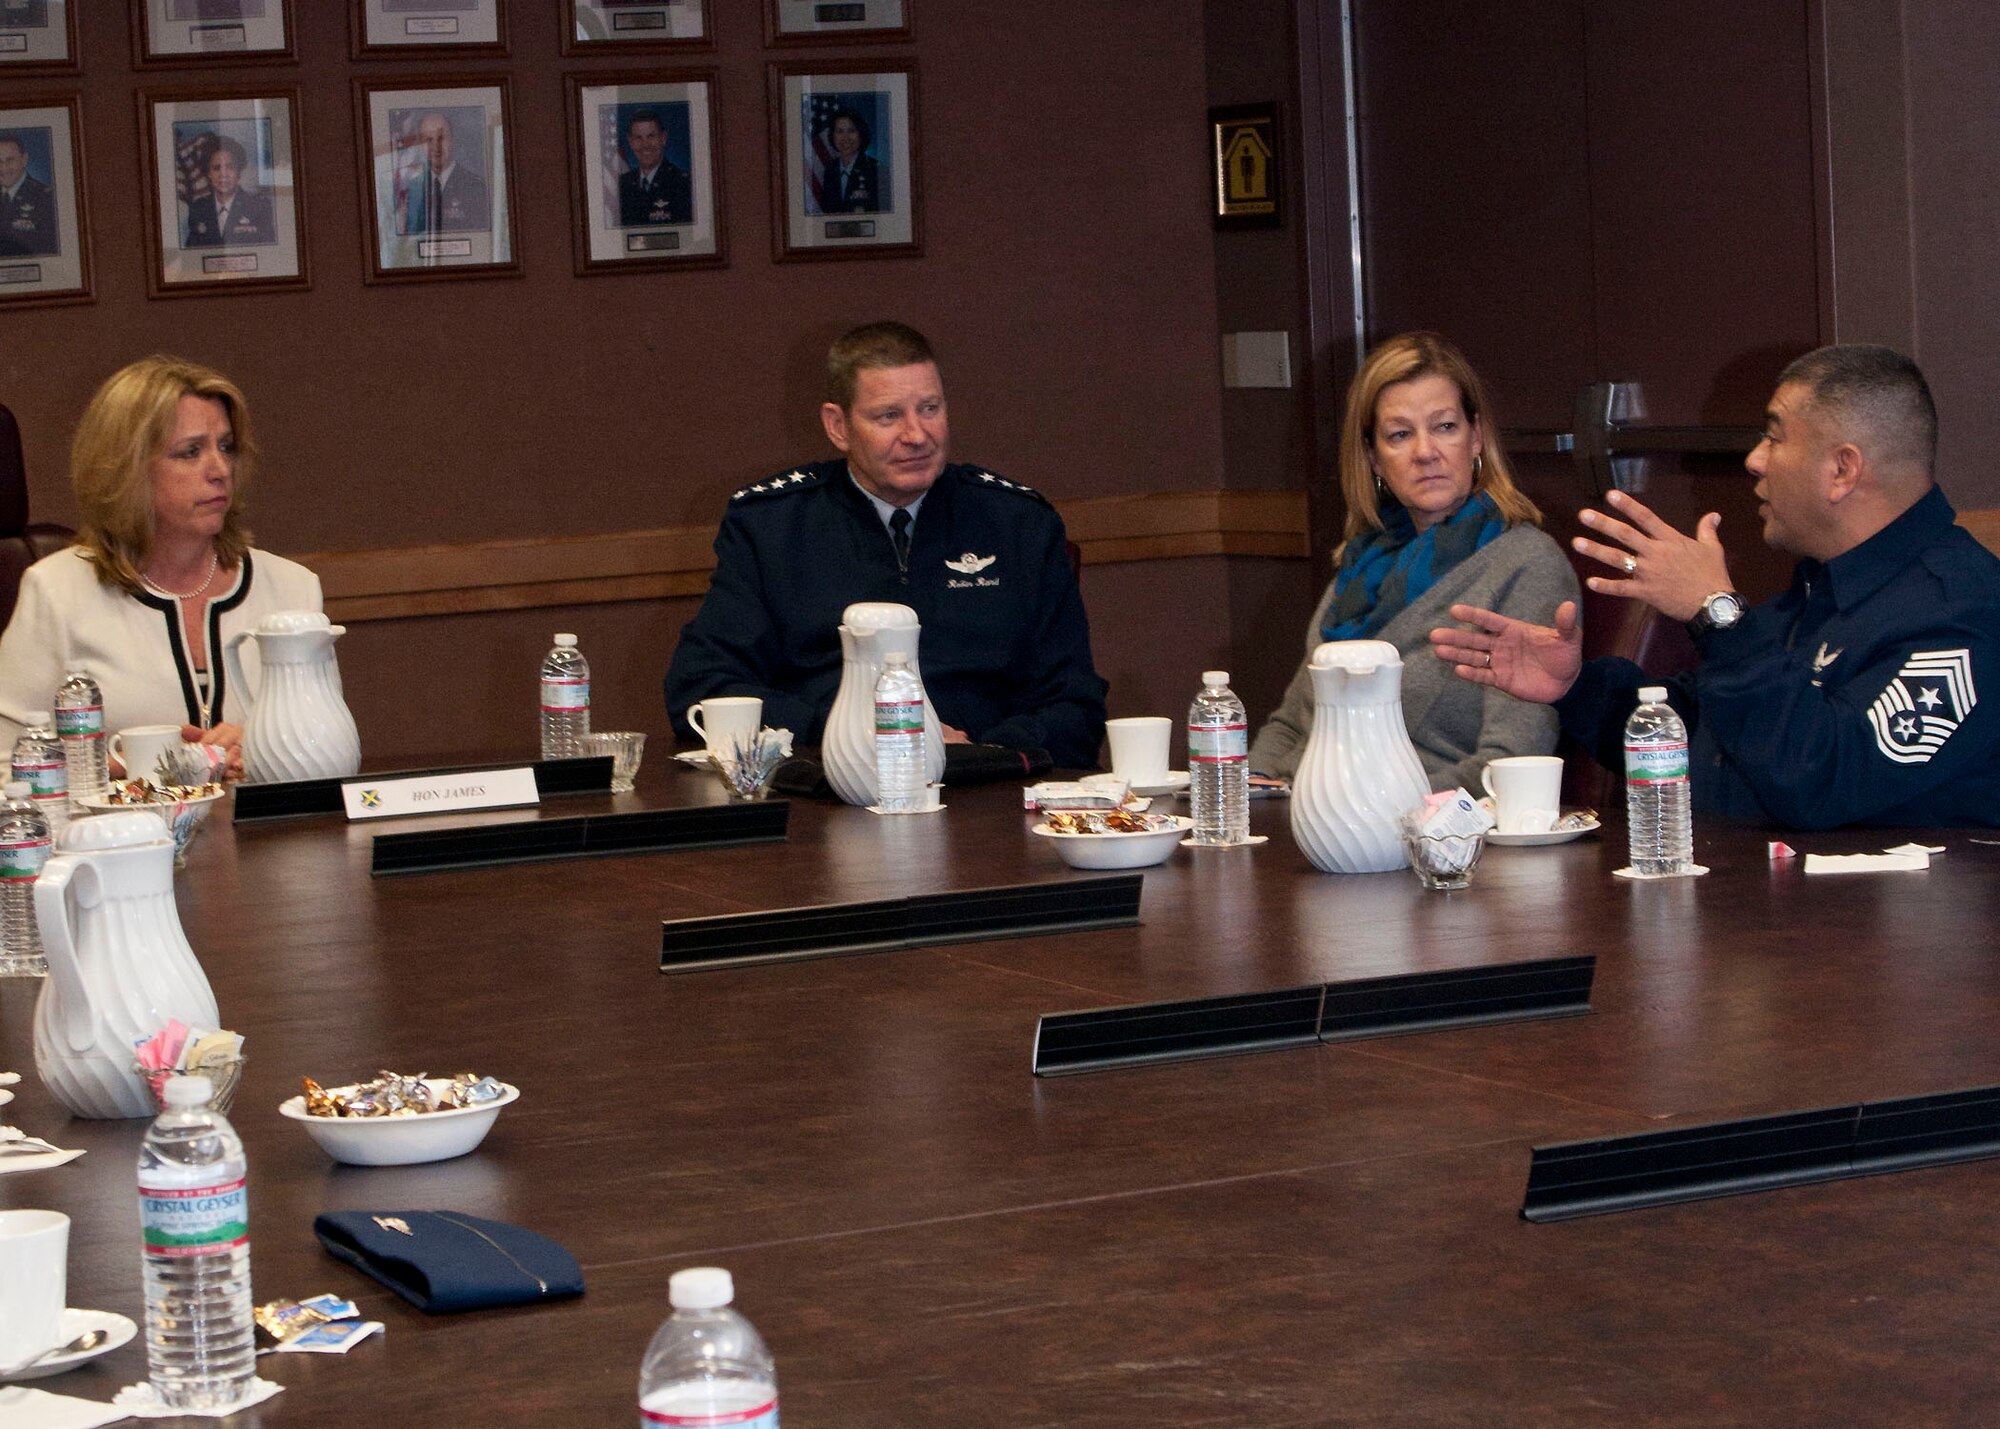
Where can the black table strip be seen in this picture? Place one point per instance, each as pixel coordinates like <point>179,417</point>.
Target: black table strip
<point>1458,997</point>
<point>838,929</point>
<point>1147,1033</point>
<point>1177,1031</point>
<point>592,836</point>
<point>302,797</point>
<point>1729,1158</point>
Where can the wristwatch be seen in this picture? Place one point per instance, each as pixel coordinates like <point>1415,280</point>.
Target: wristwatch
<point>1718,612</point>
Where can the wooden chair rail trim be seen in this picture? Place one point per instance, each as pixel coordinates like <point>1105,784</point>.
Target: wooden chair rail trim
<point>524,574</point>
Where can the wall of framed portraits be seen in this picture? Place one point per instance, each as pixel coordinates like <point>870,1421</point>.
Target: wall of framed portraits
<point>552,353</point>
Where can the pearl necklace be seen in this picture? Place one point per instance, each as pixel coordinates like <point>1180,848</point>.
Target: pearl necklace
<point>214,563</point>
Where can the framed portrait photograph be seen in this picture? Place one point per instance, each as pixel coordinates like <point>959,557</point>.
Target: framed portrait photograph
<point>44,235</point>
<point>436,177</point>
<point>38,37</point>
<point>642,151</point>
<point>844,160</point>
<point>387,28</point>
<point>167,32</point>
<point>590,26</point>
<point>226,197</point>
<point>805,22</point>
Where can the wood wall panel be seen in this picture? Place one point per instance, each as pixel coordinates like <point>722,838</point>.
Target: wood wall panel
<point>412,581</point>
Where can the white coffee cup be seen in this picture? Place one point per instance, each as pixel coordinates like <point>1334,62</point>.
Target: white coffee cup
<point>1139,748</point>
<point>34,1268</point>
<point>727,720</point>
<point>140,747</point>
<point>1527,792</point>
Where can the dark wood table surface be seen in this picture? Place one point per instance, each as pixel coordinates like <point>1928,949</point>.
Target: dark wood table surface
<point>926,1235</point>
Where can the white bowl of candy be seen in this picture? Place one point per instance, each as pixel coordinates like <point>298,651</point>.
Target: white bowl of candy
<point>184,807</point>
<point>1088,838</point>
<point>400,1121</point>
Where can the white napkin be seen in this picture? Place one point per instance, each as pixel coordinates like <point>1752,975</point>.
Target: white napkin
<point>142,1401</point>
<point>25,1408</point>
<point>1894,861</point>
<point>18,1161</point>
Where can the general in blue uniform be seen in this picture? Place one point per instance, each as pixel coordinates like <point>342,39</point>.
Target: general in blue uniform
<point>1005,649</point>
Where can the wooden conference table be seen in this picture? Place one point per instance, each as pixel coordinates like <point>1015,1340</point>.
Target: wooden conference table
<point>926,1235</point>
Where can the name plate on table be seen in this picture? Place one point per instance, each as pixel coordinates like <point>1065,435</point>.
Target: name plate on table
<point>440,794</point>
<point>834,929</point>
<point>592,836</point>
<point>1761,1153</point>
<point>302,797</point>
<point>1266,1021</point>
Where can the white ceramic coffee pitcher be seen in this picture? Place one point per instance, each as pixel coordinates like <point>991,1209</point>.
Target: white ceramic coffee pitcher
<point>119,965</point>
<point>1359,772</point>
<point>869,630</point>
<point>299,725</point>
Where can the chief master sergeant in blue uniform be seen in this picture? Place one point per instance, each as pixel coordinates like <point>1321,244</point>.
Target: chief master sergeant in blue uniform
<point>1854,697</point>
<point>984,563</point>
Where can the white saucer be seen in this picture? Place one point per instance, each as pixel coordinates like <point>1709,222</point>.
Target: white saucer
<point>1175,782</point>
<point>117,1329</point>
<point>1542,840</point>
<point>699,758</point>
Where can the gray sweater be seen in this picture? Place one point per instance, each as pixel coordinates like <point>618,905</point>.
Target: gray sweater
<point>1457,726</point>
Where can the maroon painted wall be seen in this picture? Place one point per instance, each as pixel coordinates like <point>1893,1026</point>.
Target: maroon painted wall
<point>1067,281</point>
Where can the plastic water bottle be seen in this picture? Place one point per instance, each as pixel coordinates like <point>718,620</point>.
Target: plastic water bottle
<point>706,1364</point>
<point>24,848</point>
<point>201,1350</point>
<point>1658,819</point>
<point>899,736</point>
<point>565,700</point>
<point>39,763</point>
<point>80,727</point>
<point>1219,762</point>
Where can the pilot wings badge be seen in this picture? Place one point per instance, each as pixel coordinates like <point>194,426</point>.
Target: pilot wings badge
<point>971,565</point>
<point>1929,699</point>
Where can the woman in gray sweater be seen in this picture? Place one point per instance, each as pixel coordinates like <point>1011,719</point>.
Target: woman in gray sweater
<point>1433,519</point>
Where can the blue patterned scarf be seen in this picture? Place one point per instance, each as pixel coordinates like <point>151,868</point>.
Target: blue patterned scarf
<point>1381,572</point>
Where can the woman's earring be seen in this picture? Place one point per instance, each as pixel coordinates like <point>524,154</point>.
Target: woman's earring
<point>1478,464</point>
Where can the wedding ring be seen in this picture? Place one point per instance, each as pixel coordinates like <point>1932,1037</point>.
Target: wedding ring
<point>1631,564</point>
<point>1489,659</point>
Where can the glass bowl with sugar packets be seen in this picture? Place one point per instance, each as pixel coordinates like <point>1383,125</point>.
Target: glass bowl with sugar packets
<point>399,1120</point>
<point>1443,839</point>
<point>184,806</point>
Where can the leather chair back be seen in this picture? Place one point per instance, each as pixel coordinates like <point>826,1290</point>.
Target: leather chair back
<point>22,543</point>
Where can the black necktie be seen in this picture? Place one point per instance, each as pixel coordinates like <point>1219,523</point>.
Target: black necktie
<point>899,535</point>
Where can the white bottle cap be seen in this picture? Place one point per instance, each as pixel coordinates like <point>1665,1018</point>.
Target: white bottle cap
<point>17,789</point>
<point>1653,694</point>
<point>1212,678</point>
<point>565,640</point>
<point>706,1287</point>
<point>186,1092</point>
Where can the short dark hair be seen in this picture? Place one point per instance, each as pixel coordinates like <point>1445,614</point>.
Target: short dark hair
<point>1874,393</point>
<point>645,116</point>
<point>225,145</point>
<point>861,126</point>
<point>883,344</point>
